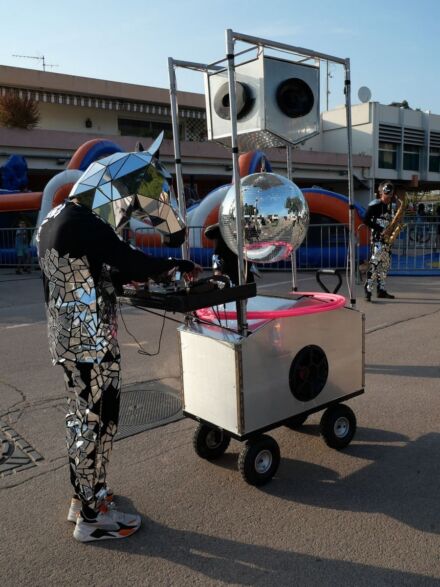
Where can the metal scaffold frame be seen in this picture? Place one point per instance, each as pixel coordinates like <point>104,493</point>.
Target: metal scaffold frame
<point>259,43</point>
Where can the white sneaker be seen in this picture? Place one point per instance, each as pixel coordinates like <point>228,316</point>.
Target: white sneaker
<point>109,523</point>
<point>75,505</point>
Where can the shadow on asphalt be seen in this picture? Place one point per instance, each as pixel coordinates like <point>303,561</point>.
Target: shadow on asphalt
<point>401,481</point>
<point>238,563</point>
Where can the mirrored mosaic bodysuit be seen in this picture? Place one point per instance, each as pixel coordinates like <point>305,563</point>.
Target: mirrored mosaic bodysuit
<point>377,218</point>
<point>82,260</point>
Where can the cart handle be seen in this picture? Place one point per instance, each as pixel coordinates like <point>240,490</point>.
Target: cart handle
<point>329,272</point>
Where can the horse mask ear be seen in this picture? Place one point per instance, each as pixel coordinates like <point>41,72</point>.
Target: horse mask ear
<point>176,239</point>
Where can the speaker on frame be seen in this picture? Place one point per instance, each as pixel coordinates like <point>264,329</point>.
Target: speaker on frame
<point>277,103</point>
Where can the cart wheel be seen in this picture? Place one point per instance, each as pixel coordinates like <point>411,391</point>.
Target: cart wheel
<point>297,421</point>
<point>259,460</point>
<point>210,443</point>
<point>338,426</point>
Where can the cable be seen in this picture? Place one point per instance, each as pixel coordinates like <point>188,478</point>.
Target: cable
<point>156,314</point>
<point>141,349</point>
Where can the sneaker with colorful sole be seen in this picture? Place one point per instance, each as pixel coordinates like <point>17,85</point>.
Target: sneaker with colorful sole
<point>109,524</point>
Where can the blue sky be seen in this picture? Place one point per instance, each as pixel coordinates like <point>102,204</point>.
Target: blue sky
<point>394,50</point>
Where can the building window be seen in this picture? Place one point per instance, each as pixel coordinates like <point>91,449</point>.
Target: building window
<point>434,160</point>
<point>144,128</point>
<point>411,157</point>
<point>387,155</point>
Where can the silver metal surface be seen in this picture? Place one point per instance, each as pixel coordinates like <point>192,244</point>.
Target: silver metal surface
<point>212,391</point>
<point>276,217</point>
<point>263,462</point>
<point>284,47</point>
<point>241,304</point>
<point>176,144</point>
<point>351,219</point>
<point>210,380</point>
<point>130,185</point>
<point>261,121</point>
<point>341,427</point>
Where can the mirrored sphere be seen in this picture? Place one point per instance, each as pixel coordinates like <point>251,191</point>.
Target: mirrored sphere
<point>275,217</point>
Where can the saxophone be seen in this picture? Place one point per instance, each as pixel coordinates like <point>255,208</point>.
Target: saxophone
<point>393,229</point>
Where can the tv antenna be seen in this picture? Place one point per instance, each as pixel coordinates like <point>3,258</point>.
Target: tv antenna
<point>42,59</point>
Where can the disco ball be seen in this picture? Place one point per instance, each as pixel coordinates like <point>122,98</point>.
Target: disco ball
<point>275,217</point>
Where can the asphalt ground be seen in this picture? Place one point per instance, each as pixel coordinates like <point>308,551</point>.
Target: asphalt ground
<point>368,515</point>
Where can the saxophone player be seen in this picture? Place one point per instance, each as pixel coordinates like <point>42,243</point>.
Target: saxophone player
<point>378,217</point>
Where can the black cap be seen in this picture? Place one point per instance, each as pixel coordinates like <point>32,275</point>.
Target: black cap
<point>388,188</point>
<point>212,232</point>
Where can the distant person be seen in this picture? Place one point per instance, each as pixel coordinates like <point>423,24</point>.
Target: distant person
<point>420,222</point>
<point>22,248</point>
<point>377,218</point>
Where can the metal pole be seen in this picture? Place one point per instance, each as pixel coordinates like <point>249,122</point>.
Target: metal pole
<point>241,304</point>
<point>284,47</point>
<point>293,253</point>
<point>327,91</point>
<point>177,156</point>
<point>347,91</point>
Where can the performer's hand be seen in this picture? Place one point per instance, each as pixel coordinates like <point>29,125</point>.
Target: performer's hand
<point>193,275</point>
<point>138,284</point>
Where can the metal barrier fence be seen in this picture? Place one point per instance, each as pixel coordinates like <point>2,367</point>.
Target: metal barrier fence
<point>416,251</point>
<point>17,250</point>
<point>325,246</point>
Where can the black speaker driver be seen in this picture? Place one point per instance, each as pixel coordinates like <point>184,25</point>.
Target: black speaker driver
<point>308,373</point>
<point>294,97</point>
<point>243,98</point>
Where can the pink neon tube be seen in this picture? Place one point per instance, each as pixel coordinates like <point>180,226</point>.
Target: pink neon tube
<point>312,304</point>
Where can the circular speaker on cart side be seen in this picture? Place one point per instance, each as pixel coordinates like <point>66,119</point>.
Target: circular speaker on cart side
<point>308,373</point>
<point>243,97</point>
<point>294,97</point>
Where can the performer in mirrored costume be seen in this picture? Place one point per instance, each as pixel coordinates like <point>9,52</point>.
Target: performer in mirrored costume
<point>378,218</point>
<point>84,262</point>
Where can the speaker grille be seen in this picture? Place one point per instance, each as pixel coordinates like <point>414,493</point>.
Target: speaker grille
<point>295,97</point>
<point>308,373</point>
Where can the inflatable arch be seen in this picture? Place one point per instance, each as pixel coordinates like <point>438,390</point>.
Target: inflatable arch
<point>60,185</point>
<point>322,202</point>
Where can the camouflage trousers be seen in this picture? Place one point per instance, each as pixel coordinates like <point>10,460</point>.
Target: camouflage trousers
<point>379,265</point>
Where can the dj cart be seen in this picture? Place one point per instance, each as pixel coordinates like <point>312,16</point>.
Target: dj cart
<point>303,353</point>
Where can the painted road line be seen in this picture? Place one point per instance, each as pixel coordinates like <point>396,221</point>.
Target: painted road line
<point>12,326</point>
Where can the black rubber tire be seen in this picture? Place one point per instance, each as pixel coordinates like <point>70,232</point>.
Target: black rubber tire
<point>259,460</point>
<point>296,422</point>
<point>209,442</point>
<point>338,426</point>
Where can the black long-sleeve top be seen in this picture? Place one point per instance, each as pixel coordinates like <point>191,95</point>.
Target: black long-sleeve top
<point>377,217</point>
<point>82,260</point>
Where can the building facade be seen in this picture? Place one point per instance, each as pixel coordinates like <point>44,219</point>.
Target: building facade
<point>403,144</point>
<point>76,109</point>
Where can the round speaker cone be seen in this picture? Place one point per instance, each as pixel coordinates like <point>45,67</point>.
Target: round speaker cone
<point>243,98</point>
<point>294,97</point>
<point>308,373</point>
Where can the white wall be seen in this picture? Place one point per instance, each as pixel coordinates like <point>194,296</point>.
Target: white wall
<point>59,117</point>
